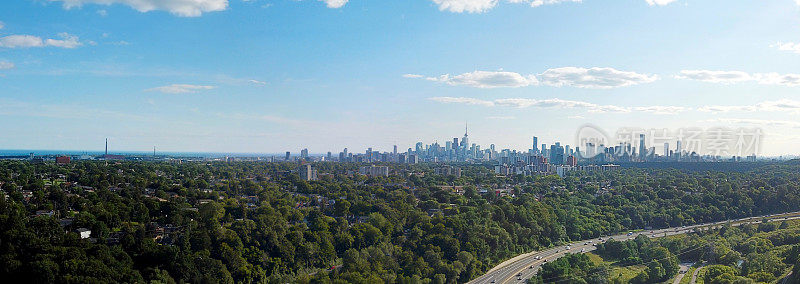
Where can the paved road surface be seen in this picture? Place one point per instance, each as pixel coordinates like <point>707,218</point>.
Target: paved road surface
<point>684,267</point>
<point>520,268</point>
<point>694,275</point>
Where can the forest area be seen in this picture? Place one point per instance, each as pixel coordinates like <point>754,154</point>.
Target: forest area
<point>255,222</point>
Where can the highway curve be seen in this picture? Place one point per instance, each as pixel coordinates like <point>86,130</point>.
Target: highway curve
<point>525,266</point>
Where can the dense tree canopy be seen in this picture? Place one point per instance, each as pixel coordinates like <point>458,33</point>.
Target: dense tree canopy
<point>259,222</point>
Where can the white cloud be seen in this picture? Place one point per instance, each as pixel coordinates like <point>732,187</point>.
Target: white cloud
<point>500,117</point>
<point>537,3</point>
<point>787,46</point>
<point>731,77</point>
<point>102,12</point>
<point>663,2</point>
<point>180,89</point>
<point>4,65</point>
<point>66,41</point>
<point>724,77</point>
<point>183,8</point>
<point>257,82</point>
<point>469,6</point>
<point>790,80</point>
<point>558,103</point>
<point>22,41</point>
<point>662,109</point>
<point>593,78</point>
<point>462,100</point>
<point>25,41</point>
<point>487,79</point>
<point>761,122</point>
<point>334,3</point>
<point>779,105</point>
<point>480,6</point>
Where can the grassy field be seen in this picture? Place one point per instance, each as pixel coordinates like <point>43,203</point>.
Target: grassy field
<point>624,273</point>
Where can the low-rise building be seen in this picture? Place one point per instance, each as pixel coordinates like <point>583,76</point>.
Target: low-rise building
<point>374,171</point>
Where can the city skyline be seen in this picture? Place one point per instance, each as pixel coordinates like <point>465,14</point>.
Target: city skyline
<point>269,76</point>
<point>587,148</point>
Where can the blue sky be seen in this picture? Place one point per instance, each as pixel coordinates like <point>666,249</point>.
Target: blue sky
<point>282,75</point>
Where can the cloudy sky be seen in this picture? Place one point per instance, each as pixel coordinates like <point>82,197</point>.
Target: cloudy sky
<point>281,75</point>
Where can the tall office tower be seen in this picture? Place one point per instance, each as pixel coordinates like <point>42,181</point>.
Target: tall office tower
<point>395,150</point>
<point>304,153</point>
<point>455,143</point>
<point>666,149</point>
<point>491,147</point>
<point>678,147</point>
<point>535,145</point>
<point>642,151</point>
<point>330,156</point>
<point>106,146</point>
<point>345,152</point>
<point>287,155</point>
<point>307,172</point>
<point>567,150</point>
<point>465,140</point>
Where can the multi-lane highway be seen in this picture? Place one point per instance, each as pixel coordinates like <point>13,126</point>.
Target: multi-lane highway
<point>520,268</point>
